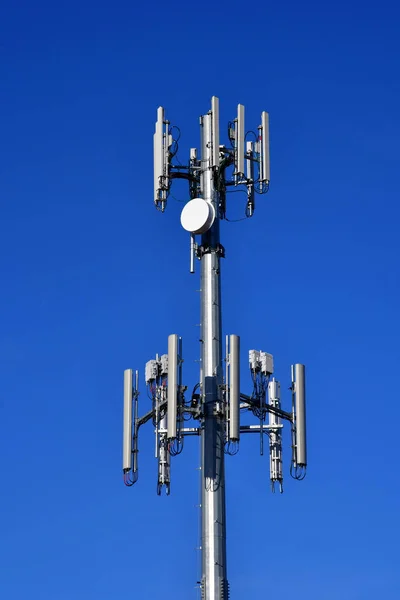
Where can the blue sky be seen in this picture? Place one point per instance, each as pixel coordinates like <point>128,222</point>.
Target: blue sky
<point>94,279</point>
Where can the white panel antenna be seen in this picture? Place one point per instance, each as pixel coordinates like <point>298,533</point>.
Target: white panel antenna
<point>162,142</point>
<point>159,155</point>
<point>275,435</point>
<point>250,178</point>
<point>127,432</point>
<point>234,388</point>
<point>215,130</point>
<point>274,395</point>
<point>130,428</point>
<point>249,162</point>
<point>264,148</point>
<point>239,142</point>
<point>299,401</point>
<point>173,360</point>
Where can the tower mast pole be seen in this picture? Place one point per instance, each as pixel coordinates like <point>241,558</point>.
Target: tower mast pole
<point>213,513</point>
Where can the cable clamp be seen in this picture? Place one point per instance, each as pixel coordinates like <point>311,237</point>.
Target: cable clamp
<point>207,249</point>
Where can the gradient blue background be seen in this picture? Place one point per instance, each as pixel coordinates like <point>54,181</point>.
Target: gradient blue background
<point>93,280</point>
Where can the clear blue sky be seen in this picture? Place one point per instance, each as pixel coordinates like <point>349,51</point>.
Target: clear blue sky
<point>93,280</point>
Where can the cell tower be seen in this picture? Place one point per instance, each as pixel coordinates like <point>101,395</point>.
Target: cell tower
<point>217,401</point>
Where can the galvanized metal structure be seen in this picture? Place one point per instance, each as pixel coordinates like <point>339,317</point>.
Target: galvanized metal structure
<point>216,401</point>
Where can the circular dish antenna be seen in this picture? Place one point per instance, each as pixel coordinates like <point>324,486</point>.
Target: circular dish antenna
<point>197,216</point>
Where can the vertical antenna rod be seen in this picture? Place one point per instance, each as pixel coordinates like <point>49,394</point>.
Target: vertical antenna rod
<point>213,525</point>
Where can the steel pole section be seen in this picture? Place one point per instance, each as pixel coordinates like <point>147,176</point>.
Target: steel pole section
<point>213,513</point>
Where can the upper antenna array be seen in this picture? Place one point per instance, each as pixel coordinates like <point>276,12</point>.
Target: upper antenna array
<point>244,162</point>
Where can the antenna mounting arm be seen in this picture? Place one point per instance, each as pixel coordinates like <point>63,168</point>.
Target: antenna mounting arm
<point>268,408</point>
